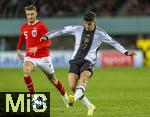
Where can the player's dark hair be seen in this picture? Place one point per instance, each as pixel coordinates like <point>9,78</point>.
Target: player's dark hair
<point>89,16</point>
<point>30,7</point>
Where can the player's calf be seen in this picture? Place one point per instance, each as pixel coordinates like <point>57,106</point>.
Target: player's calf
<point>29,84</point>
<point>59,86</point>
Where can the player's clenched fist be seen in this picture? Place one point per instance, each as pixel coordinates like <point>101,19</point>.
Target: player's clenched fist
<point>130,53</point>
<point>21,56</point>
<point>43,39</point>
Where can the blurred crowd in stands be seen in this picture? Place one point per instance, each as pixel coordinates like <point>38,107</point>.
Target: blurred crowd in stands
<point>3,44</point>
<point>48,8</point>
<point>68,8</point>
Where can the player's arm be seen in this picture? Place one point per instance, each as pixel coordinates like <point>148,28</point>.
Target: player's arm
<point>20,42</point>
<point>115,44</point>
<point>56,33</point>
<point>44,44</point>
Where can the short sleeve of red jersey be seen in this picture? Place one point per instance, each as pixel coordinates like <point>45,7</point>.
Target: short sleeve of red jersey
<point>21,39</point>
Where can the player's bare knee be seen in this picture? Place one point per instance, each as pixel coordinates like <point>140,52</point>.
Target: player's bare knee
<point>26,74</point>
<point>84,76</point>
<point>26,71</point>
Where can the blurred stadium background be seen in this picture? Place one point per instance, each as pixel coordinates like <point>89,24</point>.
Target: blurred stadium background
<point>120,85</point>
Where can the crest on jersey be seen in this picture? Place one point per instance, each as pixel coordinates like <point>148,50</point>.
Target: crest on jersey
<point>34,33</point>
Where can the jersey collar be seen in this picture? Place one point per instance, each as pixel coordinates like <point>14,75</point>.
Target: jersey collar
<point>33,23</point>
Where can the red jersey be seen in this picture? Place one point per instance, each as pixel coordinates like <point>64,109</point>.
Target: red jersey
<point>31,34</point>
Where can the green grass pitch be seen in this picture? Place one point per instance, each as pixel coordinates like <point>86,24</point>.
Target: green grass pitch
<point>116,92</point>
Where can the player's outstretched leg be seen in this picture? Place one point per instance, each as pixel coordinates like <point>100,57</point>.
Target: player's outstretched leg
<point>84,77</point>
<point>79,93</point>
<point>64,95</point>
<point>59,86</point>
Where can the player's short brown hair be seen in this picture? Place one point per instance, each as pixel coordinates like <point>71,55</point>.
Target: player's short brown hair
<point>89,16</point>
<point>30,7</point>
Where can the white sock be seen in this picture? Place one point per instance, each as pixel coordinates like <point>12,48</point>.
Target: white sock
<point>86,102</point>
<point>79,92</point>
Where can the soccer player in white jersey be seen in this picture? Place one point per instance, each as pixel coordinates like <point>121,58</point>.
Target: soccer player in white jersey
<point>88,38</point>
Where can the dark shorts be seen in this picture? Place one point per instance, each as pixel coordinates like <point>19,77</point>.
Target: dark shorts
<point>78,66</point>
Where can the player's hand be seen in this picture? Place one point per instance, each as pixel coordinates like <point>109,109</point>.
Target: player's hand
<point>21,56</point>
<point>130,53</point>
<point>43,39</point>
<point>33,50</point>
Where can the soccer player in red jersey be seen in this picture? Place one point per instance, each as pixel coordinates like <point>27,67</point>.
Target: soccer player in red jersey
<point>37,53</point>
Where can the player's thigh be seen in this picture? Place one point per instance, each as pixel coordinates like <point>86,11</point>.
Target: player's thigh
<point>28,66</point>
<point>48,70</point>
<point>86,69</point>
<point>46,66</point>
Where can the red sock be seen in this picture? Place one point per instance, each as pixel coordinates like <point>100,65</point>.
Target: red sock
<point>29,84</point>
<point>60,87</point>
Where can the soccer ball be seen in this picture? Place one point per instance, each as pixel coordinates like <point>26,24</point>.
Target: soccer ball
<point>71,100</point>
<point>38,102</point>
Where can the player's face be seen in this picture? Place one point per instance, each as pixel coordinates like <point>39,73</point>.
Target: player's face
<point>89,25</point>
<point>31,16</point>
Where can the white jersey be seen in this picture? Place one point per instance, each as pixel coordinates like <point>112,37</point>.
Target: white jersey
<point>91,46</point>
